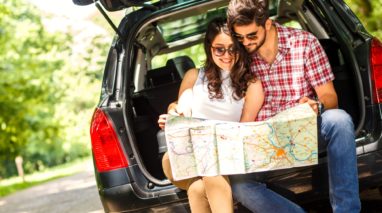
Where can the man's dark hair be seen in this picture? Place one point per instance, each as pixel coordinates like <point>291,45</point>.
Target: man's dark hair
<point>244,12</point>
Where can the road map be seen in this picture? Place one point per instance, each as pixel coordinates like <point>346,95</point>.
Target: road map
<point>199,147</point>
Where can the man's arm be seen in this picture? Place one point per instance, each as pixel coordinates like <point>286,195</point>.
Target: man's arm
<point>320,76</point>
<point>326,94</point>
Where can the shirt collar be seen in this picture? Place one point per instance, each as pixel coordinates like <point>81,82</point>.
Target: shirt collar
<point>282,35</point>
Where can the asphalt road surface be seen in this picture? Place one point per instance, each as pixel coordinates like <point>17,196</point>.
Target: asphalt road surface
<point>77,193</point>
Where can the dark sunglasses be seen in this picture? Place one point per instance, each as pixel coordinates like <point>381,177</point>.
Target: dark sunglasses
<point>251,36</point>
<point>220,51</point>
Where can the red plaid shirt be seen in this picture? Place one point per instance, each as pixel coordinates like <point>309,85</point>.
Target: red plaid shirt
<point>300,65</point>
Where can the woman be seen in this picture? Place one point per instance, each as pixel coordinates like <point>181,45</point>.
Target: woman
<point>225,90</point>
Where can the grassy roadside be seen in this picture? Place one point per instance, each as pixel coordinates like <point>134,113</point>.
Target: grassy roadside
<point>11,185</point>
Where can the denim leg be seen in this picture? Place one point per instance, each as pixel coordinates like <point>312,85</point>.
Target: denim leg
<point>258,198</point>
<point>337,130</point>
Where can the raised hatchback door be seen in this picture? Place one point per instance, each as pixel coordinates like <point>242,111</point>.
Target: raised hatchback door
<point>112,5</point>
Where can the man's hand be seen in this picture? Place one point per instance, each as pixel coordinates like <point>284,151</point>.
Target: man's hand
<point>312,103</point>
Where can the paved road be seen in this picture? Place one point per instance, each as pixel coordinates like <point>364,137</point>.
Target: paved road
<point>77,193</point>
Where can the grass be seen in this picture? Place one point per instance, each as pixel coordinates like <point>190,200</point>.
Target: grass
<point>14,184</point>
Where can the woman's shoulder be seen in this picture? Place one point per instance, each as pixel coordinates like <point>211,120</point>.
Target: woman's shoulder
<point>254,82</point>
<point>192,73</point>
<point>254,87</point>
<point>191,76</point>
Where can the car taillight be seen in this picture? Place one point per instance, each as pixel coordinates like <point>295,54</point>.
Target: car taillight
<point>376,69</point>
<point>107,151</point>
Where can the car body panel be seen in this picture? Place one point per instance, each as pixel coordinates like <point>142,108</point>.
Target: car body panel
<point>111,5</point>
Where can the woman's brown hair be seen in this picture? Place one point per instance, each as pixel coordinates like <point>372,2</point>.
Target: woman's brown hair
<point>240,74</point>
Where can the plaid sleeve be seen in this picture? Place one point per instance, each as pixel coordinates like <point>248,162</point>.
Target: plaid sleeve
<point>317,66</point>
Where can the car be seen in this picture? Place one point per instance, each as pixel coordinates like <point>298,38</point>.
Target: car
<point>158,41</point>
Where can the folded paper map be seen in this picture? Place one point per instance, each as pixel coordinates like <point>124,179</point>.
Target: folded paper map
<point>199,147</point>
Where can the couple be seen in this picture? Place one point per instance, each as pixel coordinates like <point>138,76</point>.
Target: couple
<point>287,67</point>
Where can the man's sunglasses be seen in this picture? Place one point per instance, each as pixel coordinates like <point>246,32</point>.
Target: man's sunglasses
<point>251,36</point>
<point>220,51</point>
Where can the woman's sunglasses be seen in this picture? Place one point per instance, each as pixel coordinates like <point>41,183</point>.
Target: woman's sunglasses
<point>220,51</point>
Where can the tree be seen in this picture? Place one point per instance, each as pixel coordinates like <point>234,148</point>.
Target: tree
<point>49,86</point>
<point>370,13</point>
<point>30,61</point>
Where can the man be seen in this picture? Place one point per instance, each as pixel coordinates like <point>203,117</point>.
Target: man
<point>294,69</point>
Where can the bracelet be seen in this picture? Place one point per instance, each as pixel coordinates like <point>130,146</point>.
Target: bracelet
<point>320,107</point>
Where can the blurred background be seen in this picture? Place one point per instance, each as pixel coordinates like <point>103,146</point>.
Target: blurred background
<point>52,55</point>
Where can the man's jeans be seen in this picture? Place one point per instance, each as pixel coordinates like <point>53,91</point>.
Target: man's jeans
<point>337,132</point>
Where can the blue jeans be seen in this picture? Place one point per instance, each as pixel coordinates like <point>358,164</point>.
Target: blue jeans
<point>337,136</point>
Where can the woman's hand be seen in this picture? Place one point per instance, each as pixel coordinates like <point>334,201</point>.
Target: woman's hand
<point>173,110</point>
<point>162,120</point>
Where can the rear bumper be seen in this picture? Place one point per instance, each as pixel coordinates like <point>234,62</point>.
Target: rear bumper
<point>127,196</point>
<point>123,199</point>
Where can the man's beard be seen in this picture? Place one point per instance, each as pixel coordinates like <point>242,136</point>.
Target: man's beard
<point>261,43</point>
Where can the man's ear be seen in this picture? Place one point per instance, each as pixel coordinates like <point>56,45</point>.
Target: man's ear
<point>268,24</point>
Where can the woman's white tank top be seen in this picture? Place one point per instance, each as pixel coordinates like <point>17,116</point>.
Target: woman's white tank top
<point>225,109</point>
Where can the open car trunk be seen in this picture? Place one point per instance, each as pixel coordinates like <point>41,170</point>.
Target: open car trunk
<point>158,41</point>
<point>159,86</point>
<point>112,5</point>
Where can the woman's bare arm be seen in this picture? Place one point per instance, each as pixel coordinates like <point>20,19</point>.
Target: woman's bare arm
<point>253,101</point>
<point>186,85</point>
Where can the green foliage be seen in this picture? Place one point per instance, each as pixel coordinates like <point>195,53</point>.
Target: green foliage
<point>370,14</point>
<point>30,60</point>
<point>49,85</point>
<point>196,53</point>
